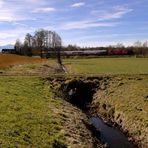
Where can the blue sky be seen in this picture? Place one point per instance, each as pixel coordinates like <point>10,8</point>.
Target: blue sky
<point>80,22</point>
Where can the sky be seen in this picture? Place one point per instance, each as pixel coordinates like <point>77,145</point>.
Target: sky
<point>78,22</point>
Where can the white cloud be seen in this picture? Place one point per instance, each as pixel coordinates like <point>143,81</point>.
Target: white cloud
<point>5,35</point>
<point>9,16</point>
<point>86,24</point>
<point>15,12</point>
<point>78,4</point>
<point>47,9</point>
<point>115,13</point>
<point>10,36</point>
<point>5,14</point>
<point>33,1</point>
<point>1,3</point>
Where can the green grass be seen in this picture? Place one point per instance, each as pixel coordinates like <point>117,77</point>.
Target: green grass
<point>125,101</point>
<point>25,116</point>
<point>107,65</point>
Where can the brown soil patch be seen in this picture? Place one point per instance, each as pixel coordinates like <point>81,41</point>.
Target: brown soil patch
<point>8,60</point>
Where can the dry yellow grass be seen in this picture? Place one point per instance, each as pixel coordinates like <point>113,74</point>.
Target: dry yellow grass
<point>7,60</point>
<point>124,100</point>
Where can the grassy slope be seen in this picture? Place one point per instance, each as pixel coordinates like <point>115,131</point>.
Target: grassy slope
<point>25,117</point>
<point>30,116</point>
<point>107,65</point>
<point>124,100</point>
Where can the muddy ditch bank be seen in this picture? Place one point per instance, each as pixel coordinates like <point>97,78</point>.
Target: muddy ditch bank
<point>114,99</point>
<point>75,128</point>
<point>78,132</point>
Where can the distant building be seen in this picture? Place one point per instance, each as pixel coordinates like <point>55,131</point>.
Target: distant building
<point>8,51</point>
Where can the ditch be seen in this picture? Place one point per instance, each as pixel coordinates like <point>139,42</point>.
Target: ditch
<point>80,94</point>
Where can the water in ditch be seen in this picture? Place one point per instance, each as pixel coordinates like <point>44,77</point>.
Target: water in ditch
<point>80,95</point>
<point>110,136</point>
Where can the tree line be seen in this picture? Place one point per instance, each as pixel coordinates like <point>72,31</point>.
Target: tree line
<point>138,48</point>
<point>40,41</point>
<point>44,40</point>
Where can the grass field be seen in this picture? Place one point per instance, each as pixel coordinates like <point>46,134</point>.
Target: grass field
<point>78,66</point>
<point>25,116</point>
<point>107,66</point>
<point>31,117</point>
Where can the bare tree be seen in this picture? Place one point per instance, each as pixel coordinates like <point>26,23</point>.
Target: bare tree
<point>18,46</point>
<point>28,40</point>
<point>119,45</point>
<point>41,41</point>
<point>145,48</point>
<point>34,44</point>
<point>56,44</point>
<point>145,44</point>
<point>40,37</point>
<point>138,44</point>
<point>138,48</point>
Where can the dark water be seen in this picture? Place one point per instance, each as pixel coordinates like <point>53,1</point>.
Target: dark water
<point>113,137</point>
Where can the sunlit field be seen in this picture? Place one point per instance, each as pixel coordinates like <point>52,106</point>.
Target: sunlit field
<point>25,116</point>
<point>107,65</point>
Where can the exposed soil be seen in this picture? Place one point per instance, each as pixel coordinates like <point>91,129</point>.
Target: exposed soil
<point>115,112</point>
<point>9,60</point>
<point>75,127</point>
<point>121,102</point>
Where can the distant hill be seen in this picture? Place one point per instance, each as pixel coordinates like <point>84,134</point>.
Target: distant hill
<point>9,46</point>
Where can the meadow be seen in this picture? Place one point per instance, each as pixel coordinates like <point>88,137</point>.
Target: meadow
<point>107,65</point>
<point>126,65</point>
<point>31,116</point>
<point>25,117</point>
